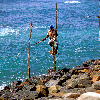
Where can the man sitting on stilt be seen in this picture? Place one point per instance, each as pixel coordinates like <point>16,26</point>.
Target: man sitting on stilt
<point>53,39</point>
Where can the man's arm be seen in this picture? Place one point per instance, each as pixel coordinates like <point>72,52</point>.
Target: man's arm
<point>45,37</point>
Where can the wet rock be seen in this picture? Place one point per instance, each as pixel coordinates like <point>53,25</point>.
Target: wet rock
<point>7,87</point>
<point>64,70</point>
<point>96,85</point>
<point>85,64</point>
<point>15,86</point>
<point>89,96</point>
<point>51,71</point>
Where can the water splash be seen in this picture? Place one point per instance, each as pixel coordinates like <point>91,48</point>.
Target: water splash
<point>72,2</point>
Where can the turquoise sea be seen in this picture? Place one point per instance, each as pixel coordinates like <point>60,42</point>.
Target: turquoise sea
<point>78,35</point>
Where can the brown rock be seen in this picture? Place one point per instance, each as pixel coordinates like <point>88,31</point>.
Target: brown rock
<point>87,71</point>
<point>97,62</point>
<point>97,67</point>
<point>2,98</point>
<point>80,86</point>
<point>71,95</point>
<point>42,90</point>
<point>96,78</point>
<point>24,83</point>
<point>93,73</point>
<point>53,89</point>
<point>59,94</point>
<point>98,91</point>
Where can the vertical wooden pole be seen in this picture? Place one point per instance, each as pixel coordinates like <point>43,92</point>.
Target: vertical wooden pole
<point>56,15</point>
<point>29,50</point>
<point>99,25</point>
<point>54,62</point>
<point>54,43</point>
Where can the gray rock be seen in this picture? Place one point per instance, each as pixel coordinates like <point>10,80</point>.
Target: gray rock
<point>96,85</point>
<point>1,92</point>
<point>51,82</point>
<point>7,95</point>
<point>29,88</point>
<point>80,81</point>
<point>25,95</point>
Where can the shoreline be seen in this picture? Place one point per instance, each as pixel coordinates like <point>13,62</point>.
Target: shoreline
<point>62,84</point>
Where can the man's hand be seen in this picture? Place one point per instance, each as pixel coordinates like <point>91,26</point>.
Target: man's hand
<point>42,40</point>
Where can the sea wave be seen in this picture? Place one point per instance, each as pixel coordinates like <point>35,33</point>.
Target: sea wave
<point>7,30</point>
<point>2,86</point>
<point>72,2</point>
<point>40,27</point>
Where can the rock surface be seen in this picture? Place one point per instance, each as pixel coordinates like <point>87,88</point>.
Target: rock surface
<point>79,83</point>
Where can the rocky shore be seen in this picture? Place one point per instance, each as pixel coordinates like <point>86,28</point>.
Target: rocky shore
<point>79,83</point>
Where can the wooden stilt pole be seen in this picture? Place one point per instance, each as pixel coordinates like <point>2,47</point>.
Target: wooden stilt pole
<point>54,43</point>
<point>56,15</point>
<point>29,50</point>
<point>99,25</point>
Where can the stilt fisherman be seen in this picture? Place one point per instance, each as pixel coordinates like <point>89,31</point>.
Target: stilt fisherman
<point>53,39</point>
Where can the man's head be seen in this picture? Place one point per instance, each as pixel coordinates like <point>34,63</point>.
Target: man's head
<point>51,27</point>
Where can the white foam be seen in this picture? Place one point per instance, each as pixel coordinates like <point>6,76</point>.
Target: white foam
<point>2,86</point>
<point>7,30</point>
<point>40,27</point>
<point>72,2</point>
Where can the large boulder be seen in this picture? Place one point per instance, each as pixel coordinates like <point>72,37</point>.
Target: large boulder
<point>89,96</point>
<point>78,81</point>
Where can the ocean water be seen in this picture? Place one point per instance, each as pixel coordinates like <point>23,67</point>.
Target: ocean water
<point>78,36</point>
